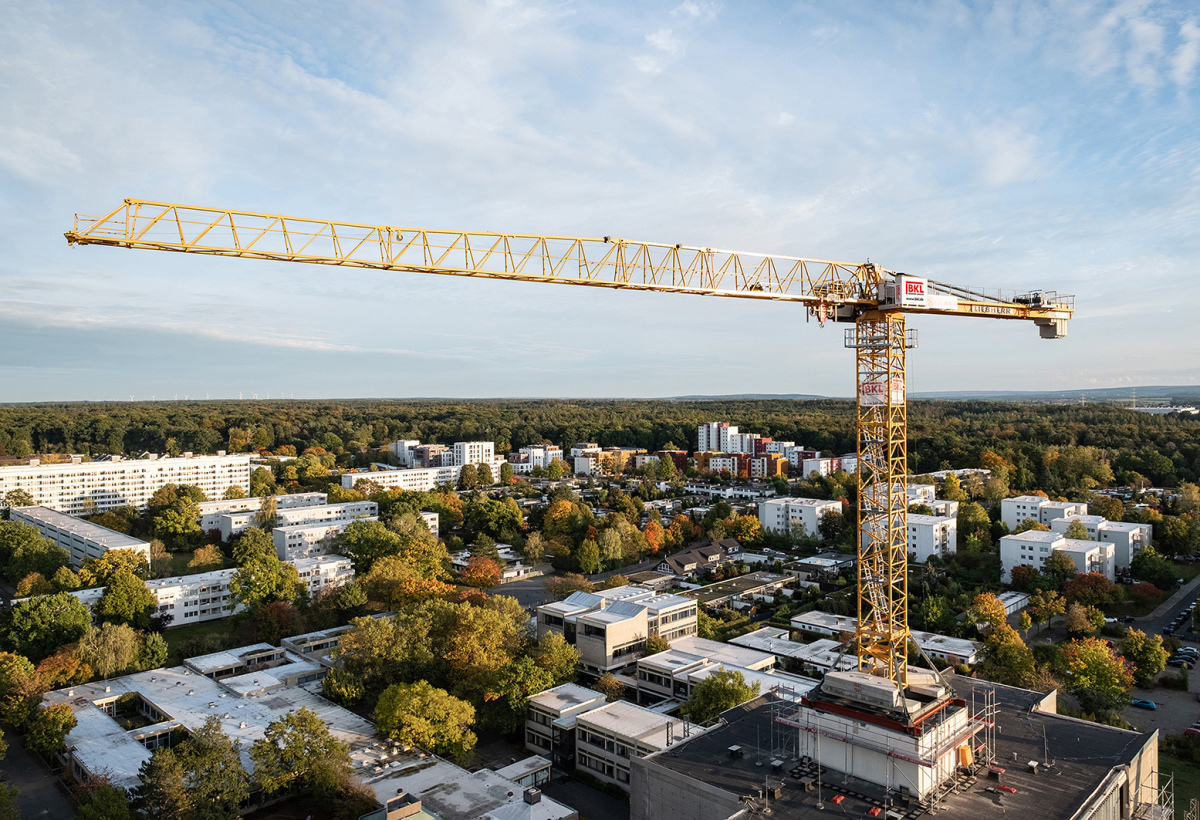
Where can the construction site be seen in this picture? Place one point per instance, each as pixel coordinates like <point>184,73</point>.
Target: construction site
<point>883,739</point>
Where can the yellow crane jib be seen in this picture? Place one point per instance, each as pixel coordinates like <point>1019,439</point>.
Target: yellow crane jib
<point>876,300</point>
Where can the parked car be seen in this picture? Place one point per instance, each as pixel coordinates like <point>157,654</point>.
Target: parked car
<point>1128,619</point>
<point>1193,731</point>
<point>1184,662</point>
<point>1168,630</point>
<point>1142,703</point>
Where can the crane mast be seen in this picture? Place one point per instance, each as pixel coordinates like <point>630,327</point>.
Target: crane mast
<point>874,299</point>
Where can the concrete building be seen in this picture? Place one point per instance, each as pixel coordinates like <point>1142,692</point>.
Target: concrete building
<point>788,515</point>
<point>306,540</point>
<point>930,535</point>
<point>74,488</point>
<point>538,455</point>
<point>403,451</point>
<point>954,651</point>
<point>1033,547</point>
<point>81,539</point>
<point>672,674</point>
<point>231,524</point>
<point>249,688</point>
<point>1013,601</point>
<point>1127,538</point>
<point>713,437</point>
<point>211,511</point>
<point>194,599</point>
<point>920,493</point>
<point>608,737</point>
<point>611,626</point>
<point>550,721</point>
<point>1015,511</point>
<point>826,466</point>
<point>872,768</point>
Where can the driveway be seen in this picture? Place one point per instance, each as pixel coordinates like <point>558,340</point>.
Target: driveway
<point>40,798</point>
<point>1176,710</point>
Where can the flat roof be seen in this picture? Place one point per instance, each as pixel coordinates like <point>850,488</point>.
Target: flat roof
<point>921,518</point>
<point>635,722</point>
<point>770,639</point>
<point>1035,536</point>
<point>825,620</point>
<point>215,661</point>
<point>524,768</point>
<point>84,529</point>
<point>720,652</point>
<point>565,696</point>
<point>736,586</point>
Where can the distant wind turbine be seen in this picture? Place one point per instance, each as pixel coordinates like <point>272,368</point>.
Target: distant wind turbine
<point>239,395</point>
<point>131,398</point>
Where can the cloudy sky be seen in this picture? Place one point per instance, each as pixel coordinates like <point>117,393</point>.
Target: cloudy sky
<point>1008,144</point>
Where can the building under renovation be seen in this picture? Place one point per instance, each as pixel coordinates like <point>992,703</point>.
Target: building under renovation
<point>953,747</point>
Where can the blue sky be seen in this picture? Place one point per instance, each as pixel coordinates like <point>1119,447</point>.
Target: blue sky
<point>1007,144</point>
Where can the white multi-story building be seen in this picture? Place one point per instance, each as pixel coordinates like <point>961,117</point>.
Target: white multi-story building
<point>954,651</point>
<point>469,452</point>
<point>403,451</point>
<point>920,493</point>
<point>1032,548</point>
<point>1127,538</point>
<point>1016,511</point>
<point>536,455</point>
<point>930,535</point>
<point>82,539</point>
<point>193,599</point>
<point>826,466</point>
<point>713,437</point>
<point>307,540</point>
<point>211,511</point>
<point>778,447</point>
<point>611,626</point>
<point>607,737</point>
<point>75,488</point>
<point>786,514</point>
<point>231,524</point>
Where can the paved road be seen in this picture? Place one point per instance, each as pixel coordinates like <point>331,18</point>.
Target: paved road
<point>1176,710</point>
<point>40,798</point>
<point>1160,618</point>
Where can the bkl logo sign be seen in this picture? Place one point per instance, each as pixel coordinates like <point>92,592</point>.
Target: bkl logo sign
<point>875,393</point>
<point>911,291</point>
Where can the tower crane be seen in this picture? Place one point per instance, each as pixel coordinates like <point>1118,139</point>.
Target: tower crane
<point>875,300</point>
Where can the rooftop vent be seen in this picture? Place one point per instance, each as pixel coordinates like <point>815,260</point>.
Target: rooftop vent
<point>533,796</point>
<point>735,751</point>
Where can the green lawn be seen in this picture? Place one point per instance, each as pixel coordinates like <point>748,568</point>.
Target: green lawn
<point>1186,569</point>
<point>1187,780</point>
<point>175,637</point>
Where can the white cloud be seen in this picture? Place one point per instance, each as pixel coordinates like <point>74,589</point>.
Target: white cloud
<point>1187,56</point>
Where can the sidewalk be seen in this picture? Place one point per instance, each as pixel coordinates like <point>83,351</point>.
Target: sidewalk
<point>1174,601</point>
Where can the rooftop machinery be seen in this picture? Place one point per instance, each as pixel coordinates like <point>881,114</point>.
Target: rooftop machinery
<point>876,300</point>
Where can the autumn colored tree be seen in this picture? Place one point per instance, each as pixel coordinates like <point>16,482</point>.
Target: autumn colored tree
<point>421,715</point>
<point>1045,605</point>
<point>1025,578</point>
<point>1083,620</point>
<point>608,685</point>
<point>556,656</point>
<point>206,558</point>
<point>560,586</point>
<point>49,728</point>
<point>1098,677</point>
<point>1146,653</point>
<point>1030,525</point>
<point>987,610</point>
<point>480,572</point>
<point>1091,589</point>
<point>654,535</point>
<point>1061,567</point>
<point>1145,594</point>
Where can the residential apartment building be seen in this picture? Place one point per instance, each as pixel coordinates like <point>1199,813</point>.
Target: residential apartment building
<point>307,540</point>
<point>1127,538</point>
<point>84,487</point>
<point>787,515</point>
<point>827,466</point>
<point>713,437</point>
<point>211,511</point>
<point>1032,548</point>
<point>930,535</point>
<point>768,465</point>
<point>537,455</point>
<point>193,599</point>
<point>231,524</point>
<point>82,539</point>
<point>1015,511</point>
<point>920,493</point>
<point>611,626</point>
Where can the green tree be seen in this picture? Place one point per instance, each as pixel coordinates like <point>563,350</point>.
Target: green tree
<point>1149,566</point>
<point>506,474</point>
<point>556,656</point>
<point>589,557</point>
<point>365,542</point>
<point>722,690</point>
<point>483,474</point>
<point>705,626</point>
<point>1030,525</point>
<point>177,522</point>
<point>111,649</point>
<point>952,489</point>
<point>1045,605</point>
<point>608,685</point>
<point>126,600</point>
<point>153,653</point>
<point>234,492</point>
<point>267,515</point>
<point>343,688</point>
<point>556,470</point>
<point>8,802</point>
<point>106,802</point>
<point>535,549</point>
<point>1006,658</point>
<point>507,696</point>
<point>468,477</point>
<point>421,715</point>
<point>253,543</point>
<point>101,571</point>
<point>1147,655</point>
<point>262,482</point>
<point>1060,567</point>
<point>1077,530</point>
<point>1099,679</point>
<point>20,689</point>
<point>49,728</point>
<point>163,793</point>
<point>213,772</point>
<point>41,625</point>
<point>264,580</point>
<point>18,498</point>
<point>299,749</point>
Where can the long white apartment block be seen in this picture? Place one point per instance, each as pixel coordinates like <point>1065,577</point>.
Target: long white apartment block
<point>211,511</point>
<point>1127,538</point>
<point>73,488</point>
<point>954,651</point>
<point>295,541</point>
<point>930,535</point>
<point>233,523</point>
<point>1034,547</point>
<point>82,539</point>
<point>787,514</point>
<point>610,627</point>
<point>538,455</point>
<point>1015,511</point>
<point>194,599</point>
<point>418,479</point>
